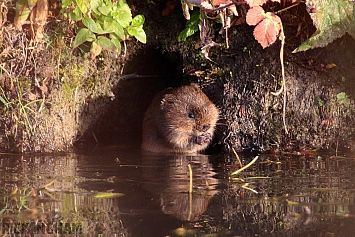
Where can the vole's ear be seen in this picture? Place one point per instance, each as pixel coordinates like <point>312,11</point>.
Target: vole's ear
<point>194,85</point>
<point>167,101</point>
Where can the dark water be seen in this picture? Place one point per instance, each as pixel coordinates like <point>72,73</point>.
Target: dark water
<point>80,195</point>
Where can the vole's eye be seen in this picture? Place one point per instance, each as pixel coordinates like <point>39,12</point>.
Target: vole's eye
<point>191,115</point>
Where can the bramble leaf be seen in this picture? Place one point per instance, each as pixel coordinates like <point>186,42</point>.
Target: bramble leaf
<point>255,15</point>
<point>267,31</point>
<point>332,18</point>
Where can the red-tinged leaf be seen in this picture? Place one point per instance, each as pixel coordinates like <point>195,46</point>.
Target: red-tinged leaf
<point>254,3</point>
<point>217,3</point>
<point>267,31</point>
<point>255,15</point>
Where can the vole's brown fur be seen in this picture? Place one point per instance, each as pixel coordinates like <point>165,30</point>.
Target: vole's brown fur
<point>179,120</point>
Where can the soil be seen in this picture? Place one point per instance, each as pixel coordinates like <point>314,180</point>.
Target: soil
<point>54,97</point>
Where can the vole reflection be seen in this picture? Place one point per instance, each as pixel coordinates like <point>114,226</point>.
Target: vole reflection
<point>171,180</point>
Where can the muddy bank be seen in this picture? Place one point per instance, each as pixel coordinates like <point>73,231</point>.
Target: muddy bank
<point>54,97</point>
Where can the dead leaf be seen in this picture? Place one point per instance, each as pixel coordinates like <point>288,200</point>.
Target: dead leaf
<point>206,49</point>
<point>32,96</point>
<point>267,31</point>
<point>169,8</point>
<point>39,17</point>
<point>255,15</point>
<point>254,3</point>
<point>330,66</point>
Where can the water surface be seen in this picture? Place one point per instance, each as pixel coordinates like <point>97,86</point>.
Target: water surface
<point>118,192</point>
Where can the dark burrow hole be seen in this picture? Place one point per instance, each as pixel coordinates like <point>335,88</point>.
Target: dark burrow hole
<point>147,73</point>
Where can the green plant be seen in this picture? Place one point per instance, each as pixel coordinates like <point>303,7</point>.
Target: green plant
<point>191,26</point>
<point>342,98</point>
<point>105,24</point>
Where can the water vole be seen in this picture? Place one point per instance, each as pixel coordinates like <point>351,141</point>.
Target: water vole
<point>179,120</point>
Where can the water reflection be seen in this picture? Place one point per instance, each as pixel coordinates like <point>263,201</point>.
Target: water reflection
<point>174,195</point>
<point>73,194</point>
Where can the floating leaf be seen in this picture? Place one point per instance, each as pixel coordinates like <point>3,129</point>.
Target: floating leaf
<point>82,36</point>
<point>332,18</point>
<point>108,195</point>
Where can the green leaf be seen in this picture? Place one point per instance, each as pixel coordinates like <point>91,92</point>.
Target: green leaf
<point>105,43</point>
<point>117,42</point>
<point>83,5</point>
<point>66,3</point>
<point>191,26</point>
<point>138,20</point>
<point>332,18</point>
<point>140,35</point>
<point>342,98</point>
<point>22,13</point>
<point>118,29</point>
<point>105,10</point>
<point>31,4</point>
<point>93,26</point>
<point>123,17</point>
<point>107,24</point>
<point>132,30</point>
<point>95,4</point>
<point>95,49</point>
<point>75,15</point>
<point>82,36</point>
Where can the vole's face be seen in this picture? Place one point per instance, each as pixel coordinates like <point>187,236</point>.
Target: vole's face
<point>190,119</point>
